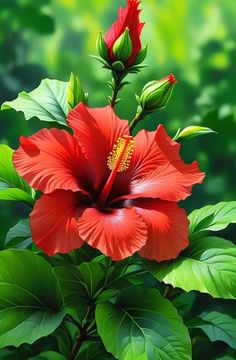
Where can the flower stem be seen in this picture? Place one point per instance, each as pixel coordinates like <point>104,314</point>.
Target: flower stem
<point>114,97</point>
<point>138,117</point>
<point>116,85</point>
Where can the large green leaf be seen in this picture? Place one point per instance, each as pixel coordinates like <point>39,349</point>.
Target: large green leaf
<point>208,266</point>
<point>79,285</point>
<point>142,325</point>
<point>48,102</point>
<point>30,300</point>
<point>217,326</point>
<point>19,236</point>
<point>212,218</point>
<point>209,263</point>
<point>12,186</point>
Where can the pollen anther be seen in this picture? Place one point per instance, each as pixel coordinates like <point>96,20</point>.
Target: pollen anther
<point>121,154</point>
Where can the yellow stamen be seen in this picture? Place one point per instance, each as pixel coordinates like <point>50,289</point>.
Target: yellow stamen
<point>121,154</point>
<point>117,161</point>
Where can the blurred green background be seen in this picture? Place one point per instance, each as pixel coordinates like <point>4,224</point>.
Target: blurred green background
<point>194,39</point>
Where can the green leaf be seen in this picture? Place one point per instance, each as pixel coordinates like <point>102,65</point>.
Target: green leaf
<point>48,102</point>
<point>12,186</point>
<point>184,302</point>
<point>66,335</point>
<point>15,353</point>
<point>81,281</point>
<point>76,257</point>
<point>192,131</point>
<point>30,300</point>
<point>47,355</point>
<point>208,265</point>
<point>217,326</point>
<point>212,218</point>
<point>226,357</point>
<point>75,92</point>
<point>80,285</point>
<point>107,295</point>
<point>19,236</point>
<point>93,350</point>
<point>142,325</point>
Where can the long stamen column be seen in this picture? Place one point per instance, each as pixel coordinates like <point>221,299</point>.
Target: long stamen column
<point>117,161</point>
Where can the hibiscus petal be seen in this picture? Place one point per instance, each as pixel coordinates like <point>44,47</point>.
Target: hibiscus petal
<point>50,160</point>
<point>172,182</point>
<point>54,222</point>
<point>157,170</point>
<point>152,148</point>
<point>117,233</point>
<point>167,228</point>
<point>127,17</point>
<point>97,130</point>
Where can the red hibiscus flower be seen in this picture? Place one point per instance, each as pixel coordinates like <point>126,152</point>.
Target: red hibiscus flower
<point>128,17</point>
<point>104,187</point>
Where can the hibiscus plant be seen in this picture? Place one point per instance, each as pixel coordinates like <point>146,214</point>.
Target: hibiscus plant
<point>108,264</point>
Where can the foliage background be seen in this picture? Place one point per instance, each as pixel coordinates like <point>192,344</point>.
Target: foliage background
<point>194,39</point>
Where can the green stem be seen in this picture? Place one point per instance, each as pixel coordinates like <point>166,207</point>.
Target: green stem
<point>83,333</point>
<point>73,321</point>
<point>117,79</point>
<point>91,327</point>
<point>138,117</point>
<point>81,337</point>
<point>167,292</point>
<point>114,96</point>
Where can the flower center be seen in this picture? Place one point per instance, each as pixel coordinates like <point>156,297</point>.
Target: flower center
<point>117,161</point>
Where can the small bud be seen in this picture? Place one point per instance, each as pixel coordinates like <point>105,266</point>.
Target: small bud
<point>192,131</point>
<point>156,94</point>
<point>102,48</point>
<point>118,66</point>
<point>122,48</point>
<point>75,93</point>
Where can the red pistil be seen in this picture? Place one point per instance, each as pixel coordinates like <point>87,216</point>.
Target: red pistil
<point>117,161</point>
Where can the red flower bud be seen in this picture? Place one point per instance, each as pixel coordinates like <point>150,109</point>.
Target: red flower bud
<point>128,17</point>
<point>156,94</point>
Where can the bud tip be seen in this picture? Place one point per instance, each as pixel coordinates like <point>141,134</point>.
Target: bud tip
<point>171,78</point>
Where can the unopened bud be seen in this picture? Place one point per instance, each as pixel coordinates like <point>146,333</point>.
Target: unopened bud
<point>122,48</point>
<point>75,93</point>
<point>156,94</point>
<point>102,48</point>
